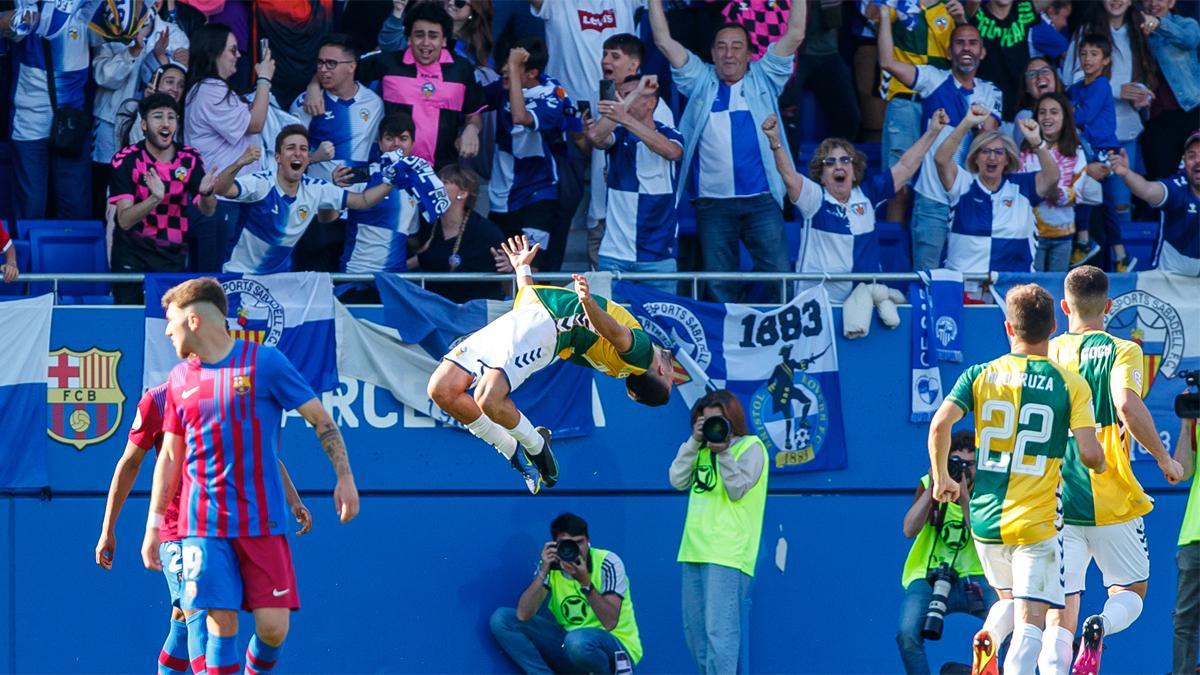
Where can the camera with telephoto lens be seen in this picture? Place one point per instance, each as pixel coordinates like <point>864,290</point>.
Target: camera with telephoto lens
<point>957,466</point>
<point>716,429</point>
<point>1187,405</point>
<point>942,578</point>
<point>567,550</point>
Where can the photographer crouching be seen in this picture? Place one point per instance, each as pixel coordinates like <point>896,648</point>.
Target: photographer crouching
<point>942,574</point>
<point>723,466</point>
<point>593,629</point>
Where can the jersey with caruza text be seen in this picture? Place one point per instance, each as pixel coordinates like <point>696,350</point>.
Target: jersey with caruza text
<point>1023,406</point>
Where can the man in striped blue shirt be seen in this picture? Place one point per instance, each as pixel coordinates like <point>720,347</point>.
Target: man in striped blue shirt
<point>725,158</point>
<point>529,117</point>
<point>642,152</point>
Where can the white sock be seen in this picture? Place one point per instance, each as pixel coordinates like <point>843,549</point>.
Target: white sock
<point>1023,651</point>
<point>1120,610</point>
<point>527,435</point>
<point>1056,651</point>
<point>999,621</point>
<point>494,435</point>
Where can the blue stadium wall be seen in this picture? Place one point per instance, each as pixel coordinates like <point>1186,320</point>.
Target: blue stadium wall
<point>445,536</point>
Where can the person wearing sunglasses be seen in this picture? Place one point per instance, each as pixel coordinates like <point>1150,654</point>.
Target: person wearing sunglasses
<point>993,227</point>
<point>722,466</point>
<point>838,203</point>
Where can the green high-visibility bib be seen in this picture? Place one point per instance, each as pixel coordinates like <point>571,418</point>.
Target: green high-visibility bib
<point>719,530</point>
<point>572,611</point>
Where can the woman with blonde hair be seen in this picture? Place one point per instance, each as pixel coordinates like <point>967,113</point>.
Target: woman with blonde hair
<point>992,228</point>
<point>838,202</point>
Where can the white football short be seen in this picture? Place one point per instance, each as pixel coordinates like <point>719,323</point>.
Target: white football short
<point>1120,551</point>
<point>1030,571</point>
<point>519,343</point>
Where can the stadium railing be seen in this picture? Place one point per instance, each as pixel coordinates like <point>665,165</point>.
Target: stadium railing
<point>692,278</point>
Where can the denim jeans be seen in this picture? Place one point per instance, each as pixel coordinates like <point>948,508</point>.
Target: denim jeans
<point>211,238</point>
<point>1118,207</point>
<point>755,221</point>
<point>912,618</point>
<point>716,617</point>
<point>540,645</point>
<point>1053,254</point>
<point>36,167</point>
<point>930,228</point>
<point>901,129</point>
<point>608,264</point>
<point>1187,609</point>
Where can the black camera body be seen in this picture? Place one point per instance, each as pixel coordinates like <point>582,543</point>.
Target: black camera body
<point>1187,405</point>
<point>568,551</point>
<point>957,467</point>
<point>942,578</point>
<point>716,429</point>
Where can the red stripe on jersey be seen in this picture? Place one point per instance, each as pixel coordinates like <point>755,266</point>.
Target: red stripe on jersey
<point>202,455</point>
<point>238,405</point>
<point>220,465</point>
<point>260,485</point>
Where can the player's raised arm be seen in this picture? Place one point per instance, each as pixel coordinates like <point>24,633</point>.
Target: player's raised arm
<point>520,256</point>
<point>124,474</point>
<point>945,488</point>
<point>166,480</point>
<point>345,494</point>
<point>602,322</point>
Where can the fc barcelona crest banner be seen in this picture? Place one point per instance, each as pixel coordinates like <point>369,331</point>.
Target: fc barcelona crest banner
<point>1158,311</point>
<point>781,363</point>
<point>292,312</point>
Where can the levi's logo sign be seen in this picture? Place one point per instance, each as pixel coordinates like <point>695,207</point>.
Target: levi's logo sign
<point>597,22</point>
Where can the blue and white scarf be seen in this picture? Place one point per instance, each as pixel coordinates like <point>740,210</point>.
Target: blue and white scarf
<point>936,317</point>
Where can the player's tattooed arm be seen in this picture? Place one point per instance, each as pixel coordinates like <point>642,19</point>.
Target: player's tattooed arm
<point>345,494</point>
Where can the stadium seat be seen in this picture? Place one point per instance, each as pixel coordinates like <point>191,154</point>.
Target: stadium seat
<point>1141,238</point>
<point>71,251</point>
<point>18,288</point>
<point>26,228</point>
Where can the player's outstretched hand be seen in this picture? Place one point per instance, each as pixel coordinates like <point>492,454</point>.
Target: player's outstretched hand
<point>104,550</point>
<point>519,251</point>
<point>1172,471</point>
<point>582,288</point>
<point>345,498</point>
<point>150,550</point>
<point>303,516</point>
<point>945,489</point>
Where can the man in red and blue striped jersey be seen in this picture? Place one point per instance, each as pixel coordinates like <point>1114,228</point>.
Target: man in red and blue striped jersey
<point>221,422</point>
<point>185,643</point>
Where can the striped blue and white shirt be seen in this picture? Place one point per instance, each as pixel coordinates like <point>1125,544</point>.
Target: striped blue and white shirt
<point>377,238</point>
<point>68,34</point>
<point>841,238</point>
<point>992,231</point>
<point>524,170</point>
<point>273,222</point>
<point>728,162</point>
<point>352,125</point>
<point>640,222</point>
<point>938,89</point>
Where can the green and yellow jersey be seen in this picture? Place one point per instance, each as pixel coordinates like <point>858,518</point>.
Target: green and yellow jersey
<point>578,343</point>
<point>925,43</point>
<point>1024,407</point>
<point>1107,363</point>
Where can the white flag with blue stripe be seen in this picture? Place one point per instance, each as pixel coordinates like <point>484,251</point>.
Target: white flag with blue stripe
<point>292,312</point>
<point>25,334</point>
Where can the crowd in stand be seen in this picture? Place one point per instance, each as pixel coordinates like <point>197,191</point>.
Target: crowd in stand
<point>277,135</point>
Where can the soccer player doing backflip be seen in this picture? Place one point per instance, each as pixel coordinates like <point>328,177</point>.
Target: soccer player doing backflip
<point>1024,406</point>
<point>546,323</point>
<point>1102,512</point>
<point>221,423</point>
